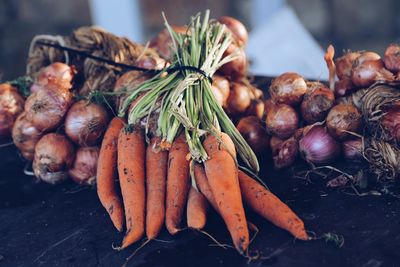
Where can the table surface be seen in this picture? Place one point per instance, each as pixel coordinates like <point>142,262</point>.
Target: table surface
<point>65,225</point>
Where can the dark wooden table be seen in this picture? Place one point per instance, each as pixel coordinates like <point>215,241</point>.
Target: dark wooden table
<point>65,225</point>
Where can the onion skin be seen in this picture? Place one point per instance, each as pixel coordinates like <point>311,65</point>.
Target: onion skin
<point>344,87</point>
<point>239,98</point>
<point>237,28</point>
<point>11,105</point>
<point>253,131</point>
<point>54,155</point>
<point>343,118</point>
<point>286,154</point>
<point>218,95</point>
<point>352,150</point>
<point>25,136</point>
<point>368,69</point>
<point>84,168</point>
<point>344,64</point>
<point>391,123</point>
<point>317,102</point>
<point>391,58</point>
<point>288,88</point>
<point>86,123</point>
<point>317,146</point>
<point>47,107</point>
<point>237,68</point>
<point>281,120</point>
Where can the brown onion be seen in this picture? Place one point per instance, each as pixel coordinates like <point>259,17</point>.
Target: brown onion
<point>343,119</point>
<point>237,28</point>
<point>288,88</point>
<point>392,58</point>
<point>162,43</point>
<point>236,68</point>
<point>25,136</point>
<point>223,86</point>
<point>281,120</point>
<point>344,87</point>
<point>86,123</point>
<point>344,64</point>
<point>128,81</point>
<point>286,153</point>
<point>54,155</point>
<point>11,105</point>
<point>368,68</point>
<point>56,72</point>
<point>239,98</point>
<point>256,108</point>
<point>275,143</point>
<point>352,149</point>
<point>318,146</point>
<point>217,95</point>
<point>47,107</point>
<point>253,131</point>
<point>317,101</point>
<point>391,123</point>
<point>84,168</point>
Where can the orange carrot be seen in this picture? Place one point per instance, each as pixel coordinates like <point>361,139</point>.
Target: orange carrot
<point>156,176</point>
<point>202,183</point>
<point>266,204</point>
<point>131,169</point>
<point>196,211</point>
<point>107,173</point>
<point>222,174</point>
<point>178,182</point>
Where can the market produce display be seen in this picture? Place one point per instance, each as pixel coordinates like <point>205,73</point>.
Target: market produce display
<point>176,128</point>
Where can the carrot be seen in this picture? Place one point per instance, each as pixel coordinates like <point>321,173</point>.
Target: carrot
<point>222,174</point>
<point>156,176</point>
<point>266,204</point>
<point>178,182</point>
<point>202,183</point>
<point>196,211</point>
<point>107,173</point>
<point>131,168</point>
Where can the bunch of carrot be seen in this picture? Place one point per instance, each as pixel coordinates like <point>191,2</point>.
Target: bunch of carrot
<point>158,185</point>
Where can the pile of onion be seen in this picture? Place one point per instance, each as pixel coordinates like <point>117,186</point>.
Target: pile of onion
<point>11,105</point>
<point>239,98</point>
<point>54,155</point>
<point>86,123</point>
<point>84,168</point>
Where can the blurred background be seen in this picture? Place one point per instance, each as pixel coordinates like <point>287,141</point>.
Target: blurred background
<point>285,35</point>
